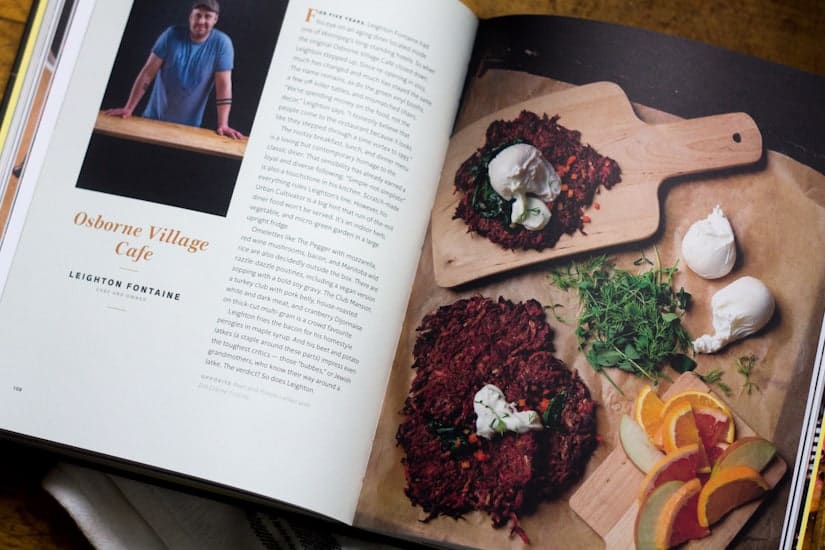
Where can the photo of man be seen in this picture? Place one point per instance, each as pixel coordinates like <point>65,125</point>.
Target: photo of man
<point>180,101</point>
<point>185,63</point>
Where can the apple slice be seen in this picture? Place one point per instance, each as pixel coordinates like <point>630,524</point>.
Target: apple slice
<point>752,451</point>
<point>650,512</point>
<point>679,521</point>
<point>637,445</point>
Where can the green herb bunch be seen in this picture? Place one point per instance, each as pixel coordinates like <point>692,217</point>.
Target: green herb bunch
<point>629,321</point>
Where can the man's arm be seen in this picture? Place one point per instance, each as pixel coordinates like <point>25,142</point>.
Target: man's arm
<point>142,82</point>
<point>223,97</point>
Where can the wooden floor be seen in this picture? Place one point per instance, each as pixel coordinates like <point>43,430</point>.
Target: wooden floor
<point>789,32</point>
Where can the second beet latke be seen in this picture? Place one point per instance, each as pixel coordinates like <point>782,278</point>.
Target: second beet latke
<point>450,470</point>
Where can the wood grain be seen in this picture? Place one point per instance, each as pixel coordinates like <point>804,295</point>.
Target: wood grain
<point>15,11</point>
<point>168,134</point>
<point>10,34</point>
<point>784,32</point>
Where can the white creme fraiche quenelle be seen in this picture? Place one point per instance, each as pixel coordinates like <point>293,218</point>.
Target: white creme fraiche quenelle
<point>739,309</point>
<point>521,169</point>
<point>494,415</point>
<point>708,247</point>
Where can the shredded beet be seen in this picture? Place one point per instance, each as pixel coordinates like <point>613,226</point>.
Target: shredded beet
<point>449,469</point>
<point>581,168</point>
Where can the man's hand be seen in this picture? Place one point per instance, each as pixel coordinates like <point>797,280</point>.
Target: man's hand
<point>122,112</point>
<point>226,131</point>
<point>142,82</point>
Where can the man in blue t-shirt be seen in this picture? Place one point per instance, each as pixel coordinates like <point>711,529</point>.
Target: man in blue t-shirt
<point>185,63</point>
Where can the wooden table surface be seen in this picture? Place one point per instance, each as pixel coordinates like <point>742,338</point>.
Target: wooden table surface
<point>789,32</point>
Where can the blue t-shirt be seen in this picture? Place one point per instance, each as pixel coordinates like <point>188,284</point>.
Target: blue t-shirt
<point>183,83</point>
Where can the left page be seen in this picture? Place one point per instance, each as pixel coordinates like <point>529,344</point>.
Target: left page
<point>225,309</point>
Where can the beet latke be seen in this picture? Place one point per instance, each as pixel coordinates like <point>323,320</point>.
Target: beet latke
<point>581,168</point>
<point>449,469</point>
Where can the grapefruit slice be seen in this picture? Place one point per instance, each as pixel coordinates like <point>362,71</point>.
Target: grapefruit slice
<point>650,512</point>
<point>752,451</point>
<point>728,488</point>
<point>714,426</point>
<point>647,411</point>
<point>680,465</point>
<point>714,453</point>
<point>678,521</point>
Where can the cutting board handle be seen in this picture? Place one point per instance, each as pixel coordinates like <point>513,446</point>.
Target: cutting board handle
<point>700,144</point>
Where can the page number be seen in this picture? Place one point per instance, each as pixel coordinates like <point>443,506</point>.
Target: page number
<point>17,388</point>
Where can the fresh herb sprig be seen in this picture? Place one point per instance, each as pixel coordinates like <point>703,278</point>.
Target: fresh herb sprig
<point>628,321</point>
<point>714,378</point>
<point>744,366</point>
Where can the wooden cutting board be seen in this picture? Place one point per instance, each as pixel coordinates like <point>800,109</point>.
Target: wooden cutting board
<point>607,500</point>
<point>646,153</point>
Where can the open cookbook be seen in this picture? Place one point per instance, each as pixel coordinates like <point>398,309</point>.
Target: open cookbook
<point>521,282</point>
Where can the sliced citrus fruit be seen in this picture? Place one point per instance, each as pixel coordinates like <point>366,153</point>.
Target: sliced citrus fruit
<point>715,452</point>
<point>679,429</point>
<point>697,399</point>
<point>650,512</point>
<point>647,411</point>
<point>714,426</point>
<point>727,489</point>
<point>678,521</point>
<point>680,465</point>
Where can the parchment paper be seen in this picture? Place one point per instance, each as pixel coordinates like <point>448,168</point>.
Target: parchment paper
<point>777,210</point>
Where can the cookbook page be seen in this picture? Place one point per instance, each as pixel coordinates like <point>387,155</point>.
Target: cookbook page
<point>637,127</point>
<point>222,234</point>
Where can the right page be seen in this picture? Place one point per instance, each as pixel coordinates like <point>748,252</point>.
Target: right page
<point>647,135</point>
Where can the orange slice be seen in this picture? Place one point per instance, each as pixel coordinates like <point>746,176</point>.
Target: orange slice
<point>679,429</point>
<point>698,400</point>
<point>678,521</point>
<point>647,411</point>
<point>727,489</point>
